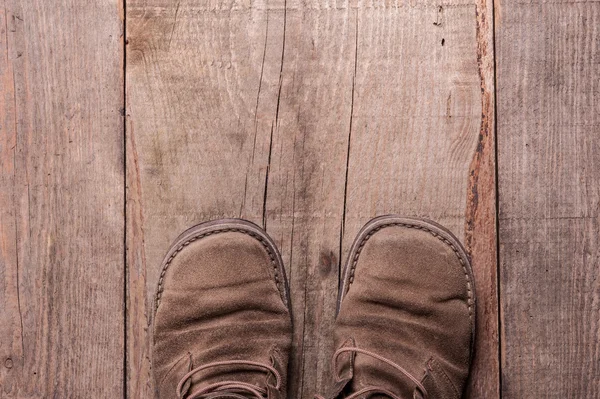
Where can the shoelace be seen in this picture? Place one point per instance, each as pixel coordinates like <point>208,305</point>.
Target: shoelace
<point>228,387</point>
<point>374,389</point>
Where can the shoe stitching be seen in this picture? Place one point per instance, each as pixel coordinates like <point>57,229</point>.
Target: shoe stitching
<point>206,234</point>
<point>433,233</point>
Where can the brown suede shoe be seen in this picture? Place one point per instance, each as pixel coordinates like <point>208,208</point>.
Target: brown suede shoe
<point>222,323</point>
<point>406,315</point>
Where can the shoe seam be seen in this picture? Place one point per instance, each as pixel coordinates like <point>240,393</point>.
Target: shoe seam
<point>433,364</point>
<point>187,242</point>
<point>433,233</point>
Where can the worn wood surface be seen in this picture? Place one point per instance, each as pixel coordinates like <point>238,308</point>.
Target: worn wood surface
<point>61,199</point>
<point>549,173</point>
<point>305,189</point>
<point>308,119</point>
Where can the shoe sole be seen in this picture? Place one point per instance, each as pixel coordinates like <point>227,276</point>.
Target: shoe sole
<point>222,226</point>
<point>438,231</point>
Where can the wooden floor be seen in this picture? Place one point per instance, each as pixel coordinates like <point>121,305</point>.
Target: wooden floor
<point>121,124</point>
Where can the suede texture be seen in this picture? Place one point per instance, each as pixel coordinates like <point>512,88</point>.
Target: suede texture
<point>222,297</point>
<point>409,298</point>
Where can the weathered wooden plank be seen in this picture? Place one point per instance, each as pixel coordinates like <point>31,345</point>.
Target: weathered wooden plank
<point>422,139</point>
<point>61,199</point>
<point>202,92</point>
<point>305,201</point>
<point>265,92</point>
<point>549,169</point>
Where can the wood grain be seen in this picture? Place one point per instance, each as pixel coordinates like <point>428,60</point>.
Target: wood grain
<point>422,140</point>
<point>549,168</point>
<point>308,118</point>
<point>61,199</point>
<point>306,182</point>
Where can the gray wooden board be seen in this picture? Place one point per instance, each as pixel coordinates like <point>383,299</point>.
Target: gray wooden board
<point>61,199</point>
<point>549,174</point>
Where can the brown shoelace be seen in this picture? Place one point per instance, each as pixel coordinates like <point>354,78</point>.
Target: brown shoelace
<point>229,388</point>
<point>375,389</point>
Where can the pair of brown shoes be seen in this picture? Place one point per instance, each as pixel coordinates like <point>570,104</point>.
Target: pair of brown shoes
<point>405,324</point>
